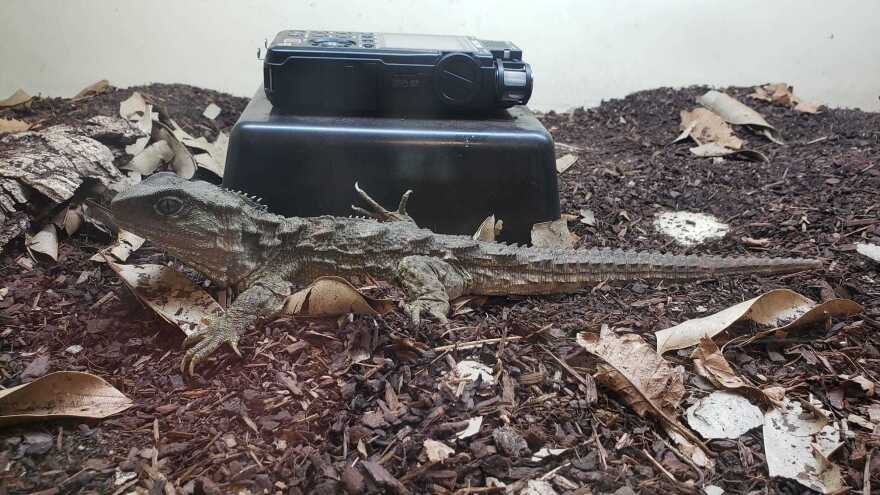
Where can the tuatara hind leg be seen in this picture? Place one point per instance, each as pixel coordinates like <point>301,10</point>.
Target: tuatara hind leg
<point>429,284</point>
<point>262,300</point>
<point>378,212</point>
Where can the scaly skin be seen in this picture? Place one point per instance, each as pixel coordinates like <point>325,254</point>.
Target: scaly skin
<point>236,243</point>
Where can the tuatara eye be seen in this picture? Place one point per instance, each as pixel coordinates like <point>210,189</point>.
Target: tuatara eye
<point>168,206</point>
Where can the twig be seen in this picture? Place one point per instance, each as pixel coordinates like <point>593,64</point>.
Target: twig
<point>475,343</point>
<point>660,467</point>
<point>553,471</point>
<point>866,486</point>
<point>591,387</point>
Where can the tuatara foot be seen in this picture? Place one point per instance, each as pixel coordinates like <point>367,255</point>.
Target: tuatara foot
<point>379,213</point>
<point>426,307</point>
<point>203,343</point>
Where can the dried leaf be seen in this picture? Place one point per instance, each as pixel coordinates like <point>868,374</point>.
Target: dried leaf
<point>183,163</point>
<point>61,394</point>
<point>214,158</point>
<point>17,98</point>
<point>211,111</point>
<point>150,158</point>
<point>471,371</point>
<point>553,234</point>
<point>45,242</point>
<point>437,451</point>
<point>139,113</point>
<point>709,362</point>
<point>782,309</point>
<point>798,444</point>
<point>565,162</point>
<point>93,89</point>
<point>588,217</point>
<point>126,243</point>
<point>334,296</point>
<point>783,95</point>
<point>723,415</point>
<point>710,150</point>
<point>734,112</point>
<point>13,125</point>
<point>175,298</point>
<point>866,386</point>
<point>473,427</point>
<point>704,127</point>
<point>646,381</point>
<point>489,230</point>
<point>871,251</point>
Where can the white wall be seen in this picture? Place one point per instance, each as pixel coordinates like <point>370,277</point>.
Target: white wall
<point>581,52</point>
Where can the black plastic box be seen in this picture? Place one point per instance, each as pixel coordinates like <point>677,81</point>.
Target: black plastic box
<point>461,170</point>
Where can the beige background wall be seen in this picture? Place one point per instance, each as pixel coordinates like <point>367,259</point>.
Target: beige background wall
<point>581,51</point>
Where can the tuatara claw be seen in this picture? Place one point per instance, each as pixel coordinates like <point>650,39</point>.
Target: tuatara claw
<point>202,344</point>
<point>379,212</point>
<point>436,309</point>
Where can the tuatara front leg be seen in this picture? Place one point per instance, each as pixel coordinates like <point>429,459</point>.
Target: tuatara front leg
<point>263,299</point>
<point>429,284</point>
<point>378,212</point>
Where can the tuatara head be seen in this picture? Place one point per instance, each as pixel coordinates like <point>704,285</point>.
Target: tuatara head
<point>221,233</point>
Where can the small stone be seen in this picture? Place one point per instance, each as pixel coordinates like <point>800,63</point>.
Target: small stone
<point>510,442</point>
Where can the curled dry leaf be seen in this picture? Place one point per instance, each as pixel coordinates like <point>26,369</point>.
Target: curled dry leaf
<point>709,362</point>
<point>704,127</point>
<point>711,150</point>
<point>472,428</point>
<point>553,234</point>
<point>13,125</point>
<point>437,451</point>
<point>736,113</point>
<point>69,219</point>
<point>565,162</point>
<point>150,158</point>
<point>16,99</point>
<point>138,113</point>
<point>126,243</point>
<point>489,230</point>
<point>93,89</point>
<point>175,298</point>
<point>45,242</point>
<point>781,309</point>
<point>183,163</point>
<point>61,394</point>
<point>798,444</point>
<point>333,296</point>
<point>646,381</point>
<point>214,156</point>
<point>783,95</point>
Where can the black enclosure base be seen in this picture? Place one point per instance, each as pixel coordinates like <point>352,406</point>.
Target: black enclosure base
<point>461,170</point>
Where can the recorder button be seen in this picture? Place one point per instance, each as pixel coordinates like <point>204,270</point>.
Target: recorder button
<point>456,78</point>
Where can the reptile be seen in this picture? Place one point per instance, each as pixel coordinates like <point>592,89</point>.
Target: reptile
<point>236,243</point>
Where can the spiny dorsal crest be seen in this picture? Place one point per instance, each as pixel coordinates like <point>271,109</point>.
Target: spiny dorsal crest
<point>252,201</point>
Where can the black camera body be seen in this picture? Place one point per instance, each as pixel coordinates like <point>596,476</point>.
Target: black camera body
<point>332,72</point>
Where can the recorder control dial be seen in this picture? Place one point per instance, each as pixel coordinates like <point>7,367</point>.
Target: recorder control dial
<point>513,82</point>
<point>457,78</point>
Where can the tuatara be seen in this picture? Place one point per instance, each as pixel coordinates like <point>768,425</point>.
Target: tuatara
<point>236,243</point>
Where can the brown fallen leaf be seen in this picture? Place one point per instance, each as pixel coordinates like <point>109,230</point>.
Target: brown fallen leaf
<point>870,251</point>
<point>783,95</point>
<point>126,243</point>
<point>781,309</point>
<point>150,158</point>
<point>553,234</point>
<point>645,381</point>
<point>709,362</point>
<point>175,298</point>
<point>93,89</point>
<point>18,98</point>
<point>44,242</point>
<point>736,113</point>
<point>713,150</point>
<point>489,230</point>
<point>61,394</point>
<point>183,163</point>
<point>704,126</point>
<point>13,125</point>
<point>565,162</point>
<point>334,296</point>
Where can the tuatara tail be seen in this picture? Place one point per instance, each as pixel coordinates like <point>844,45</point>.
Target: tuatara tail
<point>517,270</point>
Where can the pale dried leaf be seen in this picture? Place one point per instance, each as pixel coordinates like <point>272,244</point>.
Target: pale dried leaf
<point>797,446</point>
<point>214,158</point>
<point>17,98</point>
<point>60,394</point>
<point>473,427</point>
<point>553,234</point>
<point>69,219</point>
<point>93,89</point>
<point>183,162</point>
<point>780,308</point>
<point>133,107</point>
<point>211,111</point>
<point>488,230</point>
<point>437,451</point>
<point>736,113</point>
<point>783,95</point>
<point>45,241</point>
<point>645,381</point>
<point>150,158</point>
<point>471,371</point>
<point>13,125</point>
<point>565,162</point>
<point>588,217</point>
<point>871,251</point>
<point>547,452</point>
<point>723,415</point>
<point>175,298</point>
<point>868,387</point>
<point>333,296</point>
<point>709,362</point>
<point>710,150</point>
<point>704,127</point>
<point>126,243</point>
